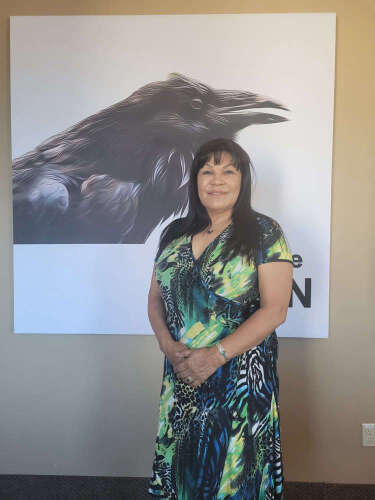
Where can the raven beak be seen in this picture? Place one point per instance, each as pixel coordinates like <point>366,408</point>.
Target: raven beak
<point>237,106</point>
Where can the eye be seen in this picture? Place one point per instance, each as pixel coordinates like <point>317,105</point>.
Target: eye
<point>196,103</point>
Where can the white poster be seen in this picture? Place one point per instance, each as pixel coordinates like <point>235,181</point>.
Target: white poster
<point>106,112</point>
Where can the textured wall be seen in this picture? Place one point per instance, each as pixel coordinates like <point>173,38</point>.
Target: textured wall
<point>82,404</point>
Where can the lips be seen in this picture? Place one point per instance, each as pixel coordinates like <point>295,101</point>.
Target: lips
<point>216,193</point>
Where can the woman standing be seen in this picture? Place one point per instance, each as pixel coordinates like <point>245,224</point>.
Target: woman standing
<point>221,285</point>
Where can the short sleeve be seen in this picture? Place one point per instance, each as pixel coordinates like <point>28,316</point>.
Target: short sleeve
<point>274,246</point>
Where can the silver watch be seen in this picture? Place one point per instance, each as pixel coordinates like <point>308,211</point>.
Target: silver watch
<point>221,350</point>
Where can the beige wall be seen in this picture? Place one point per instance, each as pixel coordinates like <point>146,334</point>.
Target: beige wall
<point>88,404</point>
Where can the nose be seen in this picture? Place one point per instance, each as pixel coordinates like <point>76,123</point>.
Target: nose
<point>217,178</point>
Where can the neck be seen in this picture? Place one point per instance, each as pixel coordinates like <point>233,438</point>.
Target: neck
<point>220,220</point>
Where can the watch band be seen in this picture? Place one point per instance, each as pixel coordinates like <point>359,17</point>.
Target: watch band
<point>221,350</point>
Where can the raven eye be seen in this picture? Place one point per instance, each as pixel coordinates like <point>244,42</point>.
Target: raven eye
<point>196,103</point>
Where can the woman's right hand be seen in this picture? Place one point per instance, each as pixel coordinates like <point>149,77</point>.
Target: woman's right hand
<point>176,352</point>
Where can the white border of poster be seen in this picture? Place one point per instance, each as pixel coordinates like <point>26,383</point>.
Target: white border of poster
<point>65,68</point>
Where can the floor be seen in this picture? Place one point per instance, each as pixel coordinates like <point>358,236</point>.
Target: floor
<point>15,487</point>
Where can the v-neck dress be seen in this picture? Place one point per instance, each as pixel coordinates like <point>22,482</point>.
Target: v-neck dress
<point>221,440</point>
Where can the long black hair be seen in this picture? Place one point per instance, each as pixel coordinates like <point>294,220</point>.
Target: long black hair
<point>245,236</point>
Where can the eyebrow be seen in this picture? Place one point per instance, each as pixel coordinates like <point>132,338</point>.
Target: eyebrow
<point>228,165</point>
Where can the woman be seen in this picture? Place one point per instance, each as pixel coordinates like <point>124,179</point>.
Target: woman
<point>221,285</point>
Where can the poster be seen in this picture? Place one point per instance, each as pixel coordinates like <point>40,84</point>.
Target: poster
<point>104,108</point>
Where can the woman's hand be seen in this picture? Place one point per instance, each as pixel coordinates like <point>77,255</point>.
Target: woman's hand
<point>176,352</point>
<point>199,365</point>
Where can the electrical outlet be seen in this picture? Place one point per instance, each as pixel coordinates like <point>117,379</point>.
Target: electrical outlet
<point>368,434</point>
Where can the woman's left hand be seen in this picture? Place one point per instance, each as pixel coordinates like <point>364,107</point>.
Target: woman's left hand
<point>200,364</point>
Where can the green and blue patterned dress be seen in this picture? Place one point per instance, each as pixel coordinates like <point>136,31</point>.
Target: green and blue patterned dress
<point>219,441</point>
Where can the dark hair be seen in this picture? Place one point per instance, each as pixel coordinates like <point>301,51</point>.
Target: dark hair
<point>245,236</point>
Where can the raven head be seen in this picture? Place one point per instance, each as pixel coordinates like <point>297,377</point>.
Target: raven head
<point>184,111</point>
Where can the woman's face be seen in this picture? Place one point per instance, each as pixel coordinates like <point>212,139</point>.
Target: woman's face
<point>219,185</point>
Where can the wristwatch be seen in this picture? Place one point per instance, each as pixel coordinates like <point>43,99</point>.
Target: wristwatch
<point>221,350</point>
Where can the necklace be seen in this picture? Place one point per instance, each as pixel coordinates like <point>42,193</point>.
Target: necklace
<point>209,231</point>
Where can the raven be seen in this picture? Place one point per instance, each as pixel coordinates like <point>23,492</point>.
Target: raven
<point>117,174</point>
